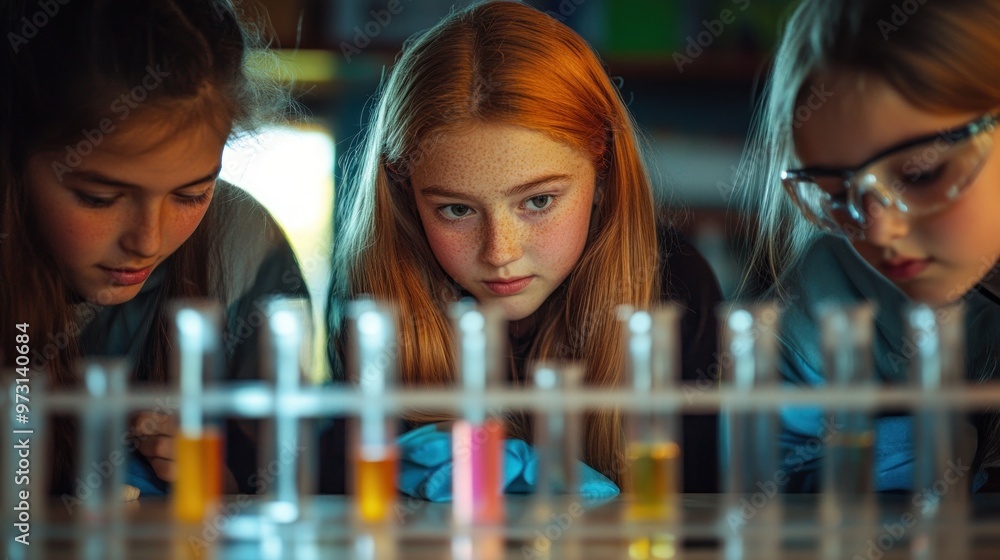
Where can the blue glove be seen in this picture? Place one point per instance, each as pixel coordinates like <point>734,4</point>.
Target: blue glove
<point>426,468</point>
<point>140,474</point>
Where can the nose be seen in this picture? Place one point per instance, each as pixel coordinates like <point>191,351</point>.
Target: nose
<point>503,243</point>
<point>143,236</point>
<point>886,224</point>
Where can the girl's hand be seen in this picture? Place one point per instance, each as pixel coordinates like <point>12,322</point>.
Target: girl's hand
<point>129,493</point>
<point>154,433</point>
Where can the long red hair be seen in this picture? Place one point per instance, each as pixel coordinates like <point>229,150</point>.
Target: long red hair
<point>506,63</point>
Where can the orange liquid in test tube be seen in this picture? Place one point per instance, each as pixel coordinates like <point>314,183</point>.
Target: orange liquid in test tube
<point>189,490</point>
<point>376,483</point>
<point>212,464</point>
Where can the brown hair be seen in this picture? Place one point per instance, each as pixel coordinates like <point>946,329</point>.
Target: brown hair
<point>63,80</point>
<point>502,62</point>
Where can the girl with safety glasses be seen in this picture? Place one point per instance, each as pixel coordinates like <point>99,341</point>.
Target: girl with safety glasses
<point>872,169</point>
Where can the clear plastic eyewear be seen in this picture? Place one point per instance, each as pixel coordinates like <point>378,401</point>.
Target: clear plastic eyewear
<point>919,177</point>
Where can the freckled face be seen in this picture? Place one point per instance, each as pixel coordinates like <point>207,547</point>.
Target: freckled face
<point>128,206</point>
<point>959,243</point>
<point>506,211</point>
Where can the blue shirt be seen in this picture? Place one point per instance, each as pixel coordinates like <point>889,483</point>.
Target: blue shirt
<point>831,272</point>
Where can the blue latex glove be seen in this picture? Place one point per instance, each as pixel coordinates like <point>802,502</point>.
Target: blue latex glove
<point>426,468</point>
<point>140,474</point>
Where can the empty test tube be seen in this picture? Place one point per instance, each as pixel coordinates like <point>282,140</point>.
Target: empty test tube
<point>101,458</point>
<point>651,342</point>
<point>374,330</point>
<point>102,427</point>
<point>478,438</point>
<point>749,454</point>
<point>197,356</point>
<point>289,342</point>
<point>749,339</point>
<point>941,443</point>
<point>558,440</point>
<point>848,469</point>
<point>847,348</point>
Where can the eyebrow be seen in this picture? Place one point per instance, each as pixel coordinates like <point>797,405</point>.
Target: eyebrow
<point>95,177</point>
<point>519,189</point>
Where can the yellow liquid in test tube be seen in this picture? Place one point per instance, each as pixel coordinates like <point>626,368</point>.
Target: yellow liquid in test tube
<point>654,479</point>
<point>853,456</point>
<point>376,480</point>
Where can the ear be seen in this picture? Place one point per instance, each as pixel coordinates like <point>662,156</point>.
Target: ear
<point>600,185</point>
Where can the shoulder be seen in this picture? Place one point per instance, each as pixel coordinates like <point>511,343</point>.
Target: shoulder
<point>686,276</point>
<point>249,246</point>
<point>687,280</point>
<point>243,226</point>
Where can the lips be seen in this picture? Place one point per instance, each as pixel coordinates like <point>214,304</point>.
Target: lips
<point>900,270</point>
<point>128,276</point>
<point>508,286</point>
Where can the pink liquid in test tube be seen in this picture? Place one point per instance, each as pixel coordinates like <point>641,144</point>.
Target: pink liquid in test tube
<point>478,475</point>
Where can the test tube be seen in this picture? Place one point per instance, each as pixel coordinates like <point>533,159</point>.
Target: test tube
<point>558,443</point>
<point>748,454</point>
<point>651,343</point>
<point>374,330</point>
<point>558,440</point>
<point>287,348</point>
<point>101,457</point>
<point>941,444</point>
<point>650,340</point>
<point>477,438</point>
<point>197,356</point>
<point>848,498</point>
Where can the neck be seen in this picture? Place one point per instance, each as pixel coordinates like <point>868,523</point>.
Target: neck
<point>523,327</point>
